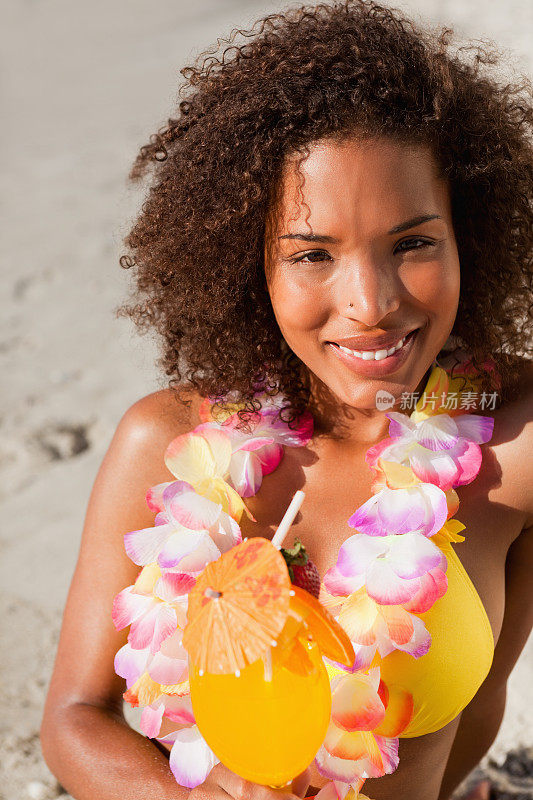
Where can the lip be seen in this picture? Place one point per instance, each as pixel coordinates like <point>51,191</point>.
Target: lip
<point>372,369</point>
<point>383,342</point>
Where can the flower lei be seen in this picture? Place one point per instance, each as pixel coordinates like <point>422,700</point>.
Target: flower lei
<point>386,574</point>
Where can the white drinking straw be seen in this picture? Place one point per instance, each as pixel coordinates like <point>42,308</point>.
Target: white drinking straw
<point>288,517</point>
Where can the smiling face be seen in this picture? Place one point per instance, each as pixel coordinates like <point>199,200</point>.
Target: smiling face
<point>360,255</point>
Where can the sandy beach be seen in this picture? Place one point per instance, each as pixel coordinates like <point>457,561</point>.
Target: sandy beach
<point>84,85</point>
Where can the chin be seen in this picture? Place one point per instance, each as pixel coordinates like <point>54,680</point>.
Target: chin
<point>364,396</point>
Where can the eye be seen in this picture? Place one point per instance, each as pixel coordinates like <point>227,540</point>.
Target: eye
<point>414,243</point>
<point>312,257</point>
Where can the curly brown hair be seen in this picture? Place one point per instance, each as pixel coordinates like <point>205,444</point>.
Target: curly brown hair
<point>328,70</point>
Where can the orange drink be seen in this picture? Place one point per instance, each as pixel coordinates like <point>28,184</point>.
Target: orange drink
<point>267,723</point>
<point>259,688</point>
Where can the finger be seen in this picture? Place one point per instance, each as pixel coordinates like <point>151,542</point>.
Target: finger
<point>301,782</point>
<point>229,781</point>
<point>239,788</point>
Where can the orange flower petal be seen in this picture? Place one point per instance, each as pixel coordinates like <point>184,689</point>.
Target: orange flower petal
<point>145,689</point>
<point>353,745</point>
<point>355,705</point>
<point>397,476</point>
<point>358,616</point>
<point>452,500</point>
<point>398,622</point>
<point>398,714</point>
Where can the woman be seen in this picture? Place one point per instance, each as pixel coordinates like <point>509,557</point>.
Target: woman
<point>338,179</point>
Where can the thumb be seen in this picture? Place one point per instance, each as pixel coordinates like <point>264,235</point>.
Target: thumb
<point>300,783</point>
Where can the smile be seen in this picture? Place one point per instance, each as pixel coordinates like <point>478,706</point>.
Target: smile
<point>376,362</point>
<point>376,355</point>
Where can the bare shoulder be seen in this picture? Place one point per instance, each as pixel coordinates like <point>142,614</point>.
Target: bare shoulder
<point>144,432</point>
<point>161,414</point>
<point>512,442</point>
<point>156,418</point>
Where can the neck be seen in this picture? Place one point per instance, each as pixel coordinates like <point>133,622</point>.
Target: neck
<point>341,422</point>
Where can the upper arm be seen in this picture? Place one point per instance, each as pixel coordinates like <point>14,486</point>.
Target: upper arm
<point>84,670</point>
<point>518,615</point>
<point>516,428</point>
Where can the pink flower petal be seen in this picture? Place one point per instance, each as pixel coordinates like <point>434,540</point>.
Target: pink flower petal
<point>438,432</point>
<point>376,451</point>
<point>179,709</point>
<point>475,427</point>
<point>438,468</point>
<point>227,533</point>
<point>468,462</point>
<point>254,444</point>
<point>165,623</point>
<point>151,718</point>
<point>143,546</point>
<point>366,520</point>
<point>129,606</point>
<point>386,587</point>
<point>358,552</point>
<point>142,630</point>
<point>172,647</point>
<point>270,456</point>
<point>433,585</point>
<point>188,508</point>
<point>154,497</point>
<point>400,510</point>
<point>298,436</point>
<point>246,473</point>
<point>166,670</point>
<point>418,509</point>
<point>197,545</point>
<point>130,664</point>
<point>174,584</point>
<point>412,555</point>
<point>389,753</point>
<point>191,759</point>
<point>400,425</point>
<point>338,584</point>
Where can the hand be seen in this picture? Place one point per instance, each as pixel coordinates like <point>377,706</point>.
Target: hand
<point>222,782</point>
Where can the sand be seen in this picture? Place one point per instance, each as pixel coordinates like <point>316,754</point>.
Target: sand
<point>84,85</point>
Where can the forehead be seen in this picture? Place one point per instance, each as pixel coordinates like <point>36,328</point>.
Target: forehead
<point>342,182</point>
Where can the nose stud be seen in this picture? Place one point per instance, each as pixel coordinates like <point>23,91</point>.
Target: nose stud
<point>350,305</point>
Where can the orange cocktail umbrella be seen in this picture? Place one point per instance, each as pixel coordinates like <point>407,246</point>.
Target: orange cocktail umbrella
<point>237,608</point>
<point>259,688</point>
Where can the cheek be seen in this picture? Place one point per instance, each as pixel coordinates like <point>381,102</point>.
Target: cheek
<point>435,285</point>
<point>298,306</point>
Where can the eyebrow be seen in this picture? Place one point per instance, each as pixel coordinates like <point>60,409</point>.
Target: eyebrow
<point>403,226</point>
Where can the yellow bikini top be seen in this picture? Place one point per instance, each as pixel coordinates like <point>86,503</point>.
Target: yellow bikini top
<point>445,680</point>
<point>421,636</point>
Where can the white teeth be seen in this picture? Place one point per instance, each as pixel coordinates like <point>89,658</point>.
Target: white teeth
<point>373,355</point>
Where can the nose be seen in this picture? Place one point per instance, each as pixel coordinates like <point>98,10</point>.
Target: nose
<point>368,292</point>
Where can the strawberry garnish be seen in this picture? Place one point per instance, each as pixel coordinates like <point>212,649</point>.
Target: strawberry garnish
<point>302,571</point>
